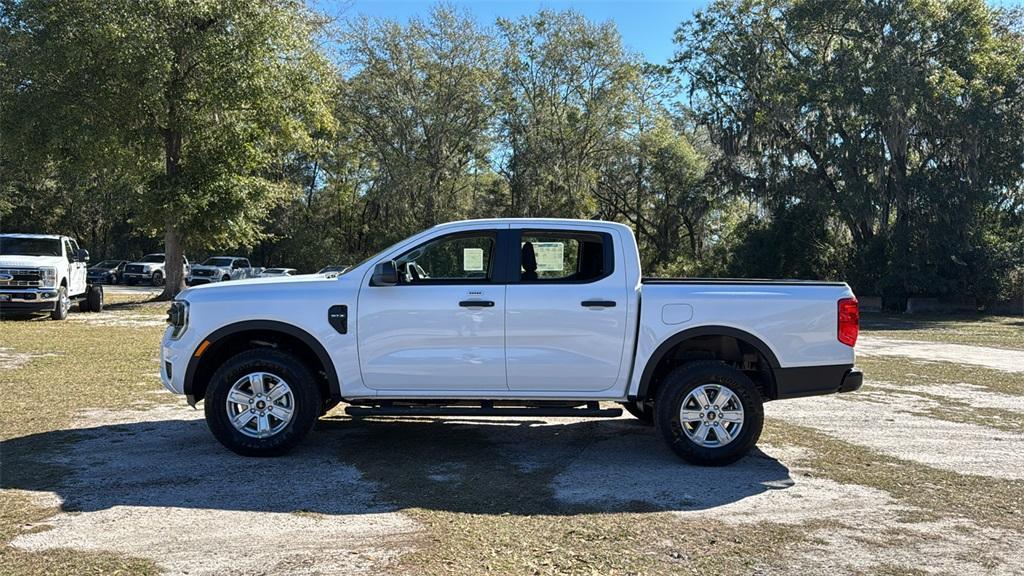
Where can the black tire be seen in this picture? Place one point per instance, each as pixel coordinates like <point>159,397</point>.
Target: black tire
<point>62,305</point>
<point>158,278</point>
<point>94,298</point>
<point>225,278</point>
<point>673,392</point>
<point>642,411</point>
<point>280,364</point>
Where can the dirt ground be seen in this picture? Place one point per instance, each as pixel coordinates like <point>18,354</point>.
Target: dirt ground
<point>920,472</point>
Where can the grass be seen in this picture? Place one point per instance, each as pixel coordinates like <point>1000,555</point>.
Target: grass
<point>71,366</point>
<point>493,518</point>
<point>993,331</point>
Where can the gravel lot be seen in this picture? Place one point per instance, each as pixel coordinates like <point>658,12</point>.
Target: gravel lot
<point>834,488</point>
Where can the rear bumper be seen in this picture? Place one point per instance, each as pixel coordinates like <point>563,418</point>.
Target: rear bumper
<point>816,380</point>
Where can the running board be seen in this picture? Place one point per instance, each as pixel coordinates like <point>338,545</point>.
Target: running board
<point>592,410</point>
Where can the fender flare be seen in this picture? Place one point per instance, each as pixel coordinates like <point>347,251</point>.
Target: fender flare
<point>333,384</point>
<point>672,341</point>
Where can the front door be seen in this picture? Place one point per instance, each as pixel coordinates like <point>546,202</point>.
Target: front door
<point>77,270</point>
<point>442,327</point>
<point>566,313</point>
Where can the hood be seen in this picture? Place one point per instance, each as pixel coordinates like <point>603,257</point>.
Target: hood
<point>207,267</point>
<point>31,261</point>
<point>252,285</point>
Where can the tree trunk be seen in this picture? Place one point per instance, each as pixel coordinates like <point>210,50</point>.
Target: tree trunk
<point>174,238</point>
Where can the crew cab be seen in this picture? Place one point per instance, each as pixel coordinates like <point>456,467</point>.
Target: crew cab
<point>514,317</point>
<point>149,270</point>
<point>44,273</point>
<point>221,269</point>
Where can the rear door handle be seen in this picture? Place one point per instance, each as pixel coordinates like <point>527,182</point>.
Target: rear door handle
<point>598,303</point>
<point>476,303</point>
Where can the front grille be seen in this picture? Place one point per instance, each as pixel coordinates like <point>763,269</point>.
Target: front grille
<point>202,272</point>
<point>134,268</point>
<point>21,277</point>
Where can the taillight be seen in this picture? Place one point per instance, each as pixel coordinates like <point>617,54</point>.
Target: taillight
<point>849,321</point>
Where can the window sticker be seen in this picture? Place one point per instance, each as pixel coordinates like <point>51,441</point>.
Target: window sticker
<point>473,259</point>
<point>550,256</point>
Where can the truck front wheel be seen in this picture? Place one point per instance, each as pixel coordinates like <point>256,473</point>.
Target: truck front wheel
<point>709,413</point>
<point>262,402</point>
<point>158,278</point>
<point>62,306</point>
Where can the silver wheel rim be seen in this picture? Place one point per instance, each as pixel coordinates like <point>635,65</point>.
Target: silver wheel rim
<point>65,303</point>
<point>260,404</point>
<point>711,415</point>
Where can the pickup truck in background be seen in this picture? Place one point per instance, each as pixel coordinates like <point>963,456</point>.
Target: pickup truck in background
<point>149,270</point>
<point>221,269</point>
<point>515,317</point>
<point>44,273</point>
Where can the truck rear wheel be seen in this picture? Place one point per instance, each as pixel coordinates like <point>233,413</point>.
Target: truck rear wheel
<point>709,413</point>
<point>262,402</point>
<point>93,300</point>
<point>62,306</point>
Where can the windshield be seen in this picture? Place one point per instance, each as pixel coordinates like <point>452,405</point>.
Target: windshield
<point>328,269</point>
<point>108,264</point>
<point>12,246</point>
<point>217,262</point>
<point>153,258</point>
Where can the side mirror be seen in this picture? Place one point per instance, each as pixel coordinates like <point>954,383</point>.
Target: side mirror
<point>384,274</point>
<point>82,255</point>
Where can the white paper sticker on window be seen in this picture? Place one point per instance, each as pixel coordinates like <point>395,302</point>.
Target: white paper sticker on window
<point>473,259</point>
<point>550,256</point>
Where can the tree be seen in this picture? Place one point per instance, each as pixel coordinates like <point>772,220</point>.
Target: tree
<point>902,119</point>
<point>561,100</point>
<point>202,101</point>
<point>419,101</point>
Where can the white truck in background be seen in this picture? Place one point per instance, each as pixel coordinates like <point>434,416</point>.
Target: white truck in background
<point>513,317</point>
<point>149,270</point>
<point>221,269</point>
<point>45,273</point>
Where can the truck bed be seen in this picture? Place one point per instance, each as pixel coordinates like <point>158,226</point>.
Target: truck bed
<point>746,281</point>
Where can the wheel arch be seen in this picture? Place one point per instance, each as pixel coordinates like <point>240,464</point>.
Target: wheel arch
<point>233,338</point>
<point>723,343</point>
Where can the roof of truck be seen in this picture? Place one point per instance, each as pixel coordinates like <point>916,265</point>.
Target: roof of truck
<point>528,221</point>
<point>47,236</point>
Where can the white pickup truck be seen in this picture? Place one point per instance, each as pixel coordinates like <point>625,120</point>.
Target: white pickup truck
<point>44,273</point>
<point>515,317</point>
<point>221,269</point>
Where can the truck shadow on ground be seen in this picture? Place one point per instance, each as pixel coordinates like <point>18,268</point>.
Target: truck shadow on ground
<point>362,466</point>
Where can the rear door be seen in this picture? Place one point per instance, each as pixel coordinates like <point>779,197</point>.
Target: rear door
<point>566,309</point>
<point>442,327</point>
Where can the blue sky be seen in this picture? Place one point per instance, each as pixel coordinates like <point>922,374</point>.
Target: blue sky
<point>646,26</point>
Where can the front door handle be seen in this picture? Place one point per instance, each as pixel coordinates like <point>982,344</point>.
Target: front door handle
<point>598,303</point>
<point>476,303</point>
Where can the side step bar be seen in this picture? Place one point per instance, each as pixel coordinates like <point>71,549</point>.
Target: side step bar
<point>592,410</point>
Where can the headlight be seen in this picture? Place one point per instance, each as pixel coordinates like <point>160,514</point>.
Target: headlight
<point>145,269</point>
<point>48,276</point>
<point>177,318</point>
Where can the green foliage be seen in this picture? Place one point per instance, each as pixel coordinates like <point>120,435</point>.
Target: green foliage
<point>902,121</point>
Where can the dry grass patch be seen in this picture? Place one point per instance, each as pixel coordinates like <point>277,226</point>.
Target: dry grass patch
<point>993,331</point>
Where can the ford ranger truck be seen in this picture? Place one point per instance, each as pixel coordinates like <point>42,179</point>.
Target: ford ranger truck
<point>508,317</point>
<point>44,273</point>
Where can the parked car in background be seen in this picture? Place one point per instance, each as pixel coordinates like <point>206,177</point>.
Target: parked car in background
<point>149,270</point>
<point>44,273</point>
<point>515,317</point>
<point>333,270</point>
<point>271,272</point>
<point>107,272</point>
<point>221,269</point>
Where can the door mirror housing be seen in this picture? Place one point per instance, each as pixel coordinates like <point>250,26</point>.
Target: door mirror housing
<point>385,274</point>
<point>82,255</point>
